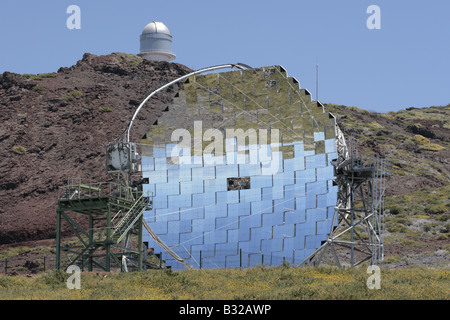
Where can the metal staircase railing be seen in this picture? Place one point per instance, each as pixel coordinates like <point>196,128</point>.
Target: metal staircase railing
<point>130,218</point>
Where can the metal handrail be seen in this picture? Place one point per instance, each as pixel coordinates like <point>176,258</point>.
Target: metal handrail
<point>131,211</point>
<point>125,217</point>
<point>83,190</point>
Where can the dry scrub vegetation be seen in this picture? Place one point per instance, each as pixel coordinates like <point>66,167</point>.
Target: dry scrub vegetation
<point>278,283</point>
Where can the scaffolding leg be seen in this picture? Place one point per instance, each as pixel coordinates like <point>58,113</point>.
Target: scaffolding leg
<point>58,240</point>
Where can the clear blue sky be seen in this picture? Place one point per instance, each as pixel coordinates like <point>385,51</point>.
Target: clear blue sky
<point>404,64</point>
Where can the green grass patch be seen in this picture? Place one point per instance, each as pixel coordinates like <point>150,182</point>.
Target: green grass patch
<point>13,251</point>
<point>432,147</point>
<point>421,139</point>
<point>39,76</point>
<point>75,93</point>
<point>425,202</point>
<point>105,109</point>
<point>131,59</point>
<point>19,149</point>
<point>39,89</point>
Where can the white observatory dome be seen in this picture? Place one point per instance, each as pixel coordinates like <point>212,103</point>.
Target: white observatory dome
<point>156,27</point>
<point>156,42</point>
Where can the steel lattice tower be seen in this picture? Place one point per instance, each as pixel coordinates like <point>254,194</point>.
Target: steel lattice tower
<point>358,218</point>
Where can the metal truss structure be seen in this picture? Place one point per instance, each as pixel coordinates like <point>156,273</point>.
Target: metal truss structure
<point>113,213</point>
<point>358,218</point>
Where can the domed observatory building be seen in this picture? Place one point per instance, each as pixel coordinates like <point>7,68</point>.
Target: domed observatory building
<point>156,42</point>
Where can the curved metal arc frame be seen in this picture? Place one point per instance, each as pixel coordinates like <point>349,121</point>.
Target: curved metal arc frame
<point>240,66</point>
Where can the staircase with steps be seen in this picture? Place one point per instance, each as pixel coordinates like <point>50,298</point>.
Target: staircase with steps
<point>130,218</point>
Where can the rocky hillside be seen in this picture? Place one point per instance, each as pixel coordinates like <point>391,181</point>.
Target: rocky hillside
<point>417,144</point>
<point>415,141</point>
<point>54,126</point>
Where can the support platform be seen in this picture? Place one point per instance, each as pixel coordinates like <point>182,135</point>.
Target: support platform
<point>104,217</point>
